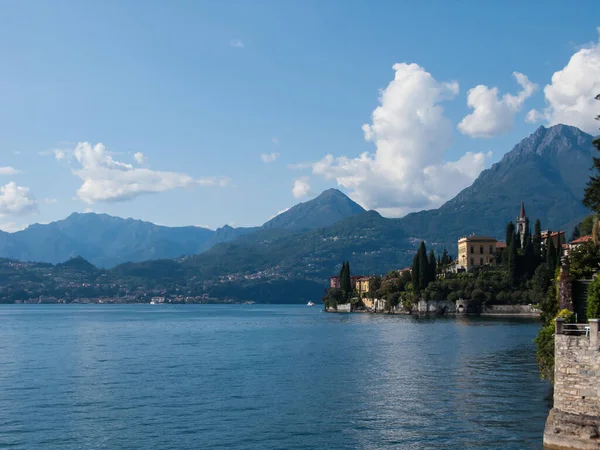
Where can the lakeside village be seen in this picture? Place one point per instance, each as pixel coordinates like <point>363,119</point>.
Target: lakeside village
<point>488,276</point>
<point>530,273</point>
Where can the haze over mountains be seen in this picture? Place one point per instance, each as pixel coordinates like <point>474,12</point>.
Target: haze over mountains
<point>548,170</point>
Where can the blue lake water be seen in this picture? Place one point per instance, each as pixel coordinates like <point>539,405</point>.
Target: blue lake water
<point>264,377</point>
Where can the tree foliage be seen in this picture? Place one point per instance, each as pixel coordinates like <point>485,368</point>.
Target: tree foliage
<point>593,299</point>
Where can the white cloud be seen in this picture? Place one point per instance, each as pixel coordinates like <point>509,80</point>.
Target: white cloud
<point>16,200</point>
<point>269,157</point>
<point>11,227</point>
<point>492,115</point>
<point>299,166</point>
<point>278,213</point>
<point>107,180</point>
<point>407,172</point>
<point>301,188</point>
<point>8,171</point>
<point>60,154</point>
<point>236,43</point>
<point>570,95</point>
<point>139,158</point>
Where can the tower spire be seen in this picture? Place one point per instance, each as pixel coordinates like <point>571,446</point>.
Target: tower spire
<point>522,215</point>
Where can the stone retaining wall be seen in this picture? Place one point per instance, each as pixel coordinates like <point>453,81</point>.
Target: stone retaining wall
<point>574,422</point>
<point>510,310</point>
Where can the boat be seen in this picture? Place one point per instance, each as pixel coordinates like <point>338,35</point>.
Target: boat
<point>310,304</point>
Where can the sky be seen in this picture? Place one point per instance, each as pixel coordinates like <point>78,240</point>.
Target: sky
<point>210,113</point>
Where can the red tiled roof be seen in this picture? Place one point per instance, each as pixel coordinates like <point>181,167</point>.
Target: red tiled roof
<point>501,244</point>
<point>582,239</point>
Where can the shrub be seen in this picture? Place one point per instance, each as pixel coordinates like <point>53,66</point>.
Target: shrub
<point>593,299</point>
<point>569,316</point>
<point>545,352</point>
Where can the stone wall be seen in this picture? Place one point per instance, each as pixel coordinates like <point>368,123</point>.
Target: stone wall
<point>435,307</point>
<point>510,310</point>
<point>574,422</point>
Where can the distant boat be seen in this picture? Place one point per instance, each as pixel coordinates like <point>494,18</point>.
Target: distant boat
<point>310,304</point>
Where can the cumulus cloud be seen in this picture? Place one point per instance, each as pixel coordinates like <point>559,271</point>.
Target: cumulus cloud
<point>570,95</point>
<point>269,157</point>
<point>139,157</point>
<point>278,213</point>
<point>11,227</point>
<point>236,43</point>
<point>301,188</point>
<point>108,180</point>
<point>8,170</point>
<point>16,200</point>
<point>60,154</point>
<point>494,115</point>
<point>411,134</point>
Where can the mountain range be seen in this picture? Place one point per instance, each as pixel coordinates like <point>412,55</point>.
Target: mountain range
<point>547,170</point>
<point>107,241</point>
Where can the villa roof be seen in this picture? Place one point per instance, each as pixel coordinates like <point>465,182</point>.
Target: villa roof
<point>582,239</point>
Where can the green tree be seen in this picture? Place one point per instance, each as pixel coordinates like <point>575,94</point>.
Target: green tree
<point>415,272</point>
<point>550,251</point>
<point>513,270</point>
<point>345,280</point>
<point>529,260</point>
<point>445,257</point>
<point>586,225</point>
<point>510,233</point>
<point>432,267</point>
<point>593,299</point>
<point>584,260</point>
<point>423,267</point>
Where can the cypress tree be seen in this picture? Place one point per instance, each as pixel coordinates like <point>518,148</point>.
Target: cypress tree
<point>527,235</point>
<point>415,273</point>
<point>517,240</point>
<point>432,266</point>
<point>423,267</point>
<point>345,281</point>
<point>513,273</point>
<point>529,259</point>
<point>550,252</point>
<point>576,233</point>
<point>445,257</point>
<point>510,233</point>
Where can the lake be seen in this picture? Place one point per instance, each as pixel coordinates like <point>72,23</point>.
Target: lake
<point>264,377</point>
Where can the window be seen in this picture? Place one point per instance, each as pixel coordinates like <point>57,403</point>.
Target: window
<point>472,249</point>
<point>481,261</point>
<point>481,249</point>
<point>491,249</point>
<point>472,261</point>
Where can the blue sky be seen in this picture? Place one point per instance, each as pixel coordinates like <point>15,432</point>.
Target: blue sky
<point>200,90</point>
